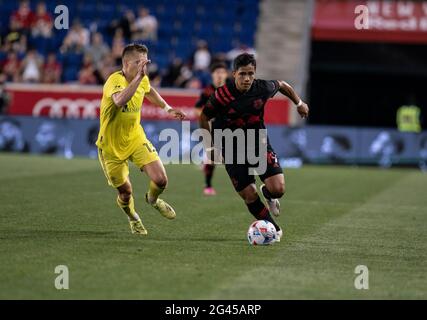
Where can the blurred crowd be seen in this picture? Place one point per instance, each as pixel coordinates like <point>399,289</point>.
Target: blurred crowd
<point>20,61</point>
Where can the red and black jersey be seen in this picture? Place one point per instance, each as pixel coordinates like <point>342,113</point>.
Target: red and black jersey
<point>241,110</point>
<point>204,96</point>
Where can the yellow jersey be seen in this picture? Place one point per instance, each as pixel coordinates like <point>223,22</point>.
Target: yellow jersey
<point>120,130</point>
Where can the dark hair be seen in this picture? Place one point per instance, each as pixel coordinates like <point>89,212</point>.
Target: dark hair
<point>141,48</point>
<point>243,60</point>
<point>218,65</point>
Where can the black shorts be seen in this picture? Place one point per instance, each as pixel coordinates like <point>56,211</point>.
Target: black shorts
<point>239,173</point>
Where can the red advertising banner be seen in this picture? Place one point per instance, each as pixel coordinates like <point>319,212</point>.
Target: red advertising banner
<point>385,21</point>
<point>83,102</point>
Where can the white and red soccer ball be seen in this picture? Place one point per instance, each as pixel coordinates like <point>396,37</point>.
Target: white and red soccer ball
<point>262,232</point>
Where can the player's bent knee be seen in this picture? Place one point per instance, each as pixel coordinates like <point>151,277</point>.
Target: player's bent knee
<point>125,196</point>
<point>161,181</point>
<point>278,191</point>
<point>249,194</point>
<point>125,192</point>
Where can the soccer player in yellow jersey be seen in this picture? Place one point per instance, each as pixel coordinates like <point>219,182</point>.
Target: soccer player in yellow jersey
<point>121,137</point>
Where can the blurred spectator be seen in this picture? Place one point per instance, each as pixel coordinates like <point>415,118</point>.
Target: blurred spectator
<point>154,75</point>
<point>145,26</point>
<point>21,46</point>
<point>219,57</point>
<point>11,67</point>
<point>177,75</point>
<point>202,56</point>
<point>4,96</point>
<point>87,72</point>
<point>117,46</point>
<point>42,23</point>
<point>76,39</point>
<point>31,67</point>
<point>239,49</point>
<point>97,49</point>
<point>52,69</point>
<point>194,83</point>
<point>106,67</point>
<point>23,17</point>
<point>172,73</point>
<point>125,24</point>
<point>15,39</point>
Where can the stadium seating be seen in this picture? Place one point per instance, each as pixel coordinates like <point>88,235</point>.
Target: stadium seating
<point>223,23</point>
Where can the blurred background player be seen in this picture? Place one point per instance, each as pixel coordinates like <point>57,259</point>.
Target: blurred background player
<point>219,74</point>
<point>4,96</point>
<point>239,104</point>
<point>121,137</point>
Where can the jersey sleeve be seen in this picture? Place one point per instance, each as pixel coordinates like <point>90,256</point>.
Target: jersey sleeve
<point>114,84</point>
<point>271,87</point>
<point>212,107</point>
<point>146,84</point>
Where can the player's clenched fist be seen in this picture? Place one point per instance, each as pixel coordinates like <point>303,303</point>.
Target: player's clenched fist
<point>177,114</point>
<point>303,110</point>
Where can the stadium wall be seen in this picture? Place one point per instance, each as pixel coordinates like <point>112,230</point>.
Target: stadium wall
<point>82,102</point>
<point>294,146</point>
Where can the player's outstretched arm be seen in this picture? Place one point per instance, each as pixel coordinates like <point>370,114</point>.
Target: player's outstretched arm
<point>288,91</point>
<point>156,99</point>
<point>121,98</point>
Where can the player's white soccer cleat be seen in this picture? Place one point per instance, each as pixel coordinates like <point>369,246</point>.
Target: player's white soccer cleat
<point>163,207</point>
<point>273,204</point>
<point>279,235</point>
<point>137,227</point>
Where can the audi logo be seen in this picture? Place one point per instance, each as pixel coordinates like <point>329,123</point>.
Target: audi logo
<point>68,108</point>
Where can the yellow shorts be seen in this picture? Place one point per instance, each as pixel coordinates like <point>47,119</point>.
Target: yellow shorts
<point>117,171</point>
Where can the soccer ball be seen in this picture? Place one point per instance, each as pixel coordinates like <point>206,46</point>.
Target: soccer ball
<point>261,232</point>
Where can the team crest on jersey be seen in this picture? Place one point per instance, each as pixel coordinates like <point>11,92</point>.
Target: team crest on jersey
<point>258,103</point>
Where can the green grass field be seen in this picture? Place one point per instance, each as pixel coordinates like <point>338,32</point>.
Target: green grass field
<point>55,211</point>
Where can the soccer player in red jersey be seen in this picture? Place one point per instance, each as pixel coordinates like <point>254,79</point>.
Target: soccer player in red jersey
<point>238,105</point>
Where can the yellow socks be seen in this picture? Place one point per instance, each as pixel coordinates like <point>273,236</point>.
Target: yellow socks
<point>128,208</point>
